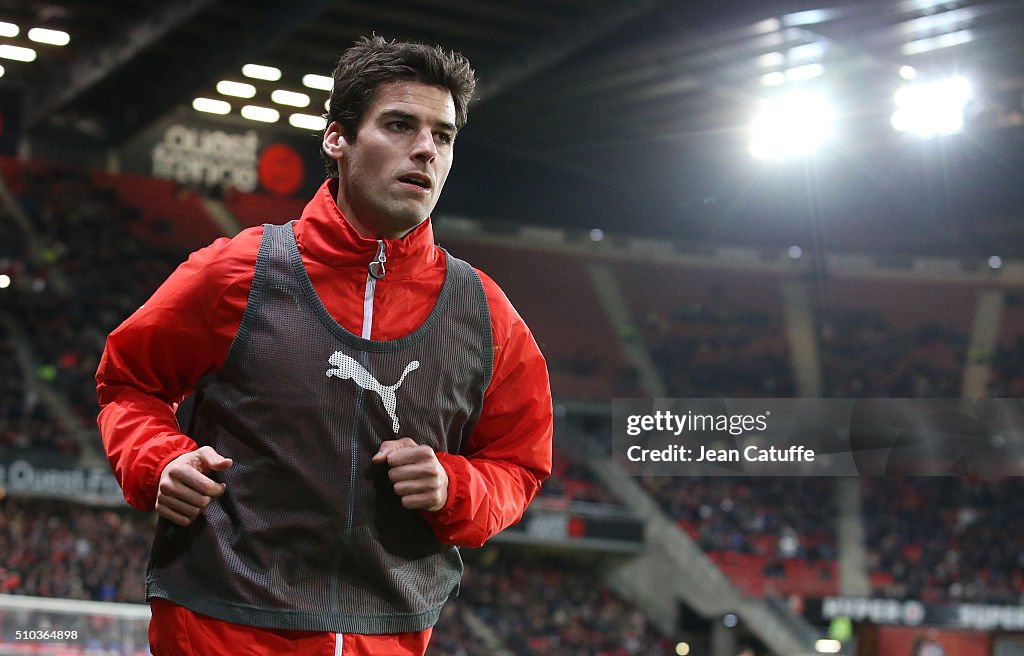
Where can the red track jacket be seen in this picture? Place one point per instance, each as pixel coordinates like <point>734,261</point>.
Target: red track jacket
<point>154,359</point>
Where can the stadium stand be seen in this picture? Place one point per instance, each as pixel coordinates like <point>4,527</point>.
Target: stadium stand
<point>945,539</point>
<point>709,332</point>
<point>584,355</point>
<point>917,343</point>
<point>253,209</point>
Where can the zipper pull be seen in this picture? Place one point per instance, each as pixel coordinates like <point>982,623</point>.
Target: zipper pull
<point>378,262</point>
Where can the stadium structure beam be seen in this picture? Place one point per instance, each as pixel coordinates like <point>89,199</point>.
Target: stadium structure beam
<point>561,46</point>
<point>87,71</point>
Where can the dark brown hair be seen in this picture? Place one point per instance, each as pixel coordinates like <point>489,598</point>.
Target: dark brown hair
<point>374,60</point>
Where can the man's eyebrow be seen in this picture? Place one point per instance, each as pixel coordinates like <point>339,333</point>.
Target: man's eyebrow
<point>412,118</point>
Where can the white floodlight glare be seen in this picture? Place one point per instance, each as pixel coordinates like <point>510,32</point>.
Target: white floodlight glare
<point>307,122</point>
<point>262,114</point>
<point>792,126</point>
<point>9,29</point>
<point>908,72</point>
<point>828,646</point>
<point>236,89</point>
<point>937,42</point>
<point>17,53</point>
<point>933,108</point>
<point>256,71</point>
<point>49,37</point>
<point>211,106</point>
<point>2,71</point>
<point>290,98</point>
<point>320,82</point>
<point>5,281</point>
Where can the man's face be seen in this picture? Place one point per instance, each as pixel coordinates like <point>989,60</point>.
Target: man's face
<point>391,173</point>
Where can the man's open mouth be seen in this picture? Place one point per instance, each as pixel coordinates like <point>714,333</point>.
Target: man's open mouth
<point>421,181</point>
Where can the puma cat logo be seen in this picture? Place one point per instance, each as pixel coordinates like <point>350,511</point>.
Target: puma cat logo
<point>346,367</point>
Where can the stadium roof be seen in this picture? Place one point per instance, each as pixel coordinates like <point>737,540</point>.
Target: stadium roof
<point>598,109</point>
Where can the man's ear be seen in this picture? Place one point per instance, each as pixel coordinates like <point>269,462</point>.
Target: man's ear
<point>335,144</point>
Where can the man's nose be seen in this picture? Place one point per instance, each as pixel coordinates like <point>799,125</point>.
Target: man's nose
<point>424,148</point>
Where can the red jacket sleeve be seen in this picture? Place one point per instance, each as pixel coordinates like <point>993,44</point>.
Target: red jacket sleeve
<point>508,456</point>
<point>155,358</point>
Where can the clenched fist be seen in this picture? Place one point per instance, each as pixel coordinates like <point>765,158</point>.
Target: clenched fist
<point>419,479</point>
<point>184,488</point>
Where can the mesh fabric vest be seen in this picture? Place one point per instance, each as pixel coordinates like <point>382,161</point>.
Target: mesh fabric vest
<point>309,534</point>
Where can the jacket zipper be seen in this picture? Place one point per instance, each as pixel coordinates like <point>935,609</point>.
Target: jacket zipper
<point>375,271</point>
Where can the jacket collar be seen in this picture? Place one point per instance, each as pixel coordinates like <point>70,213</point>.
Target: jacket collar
<point>326,235</point>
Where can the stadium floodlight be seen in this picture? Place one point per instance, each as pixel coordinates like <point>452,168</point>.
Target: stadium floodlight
<point>9,29</point>
<point>792,126</point>
<point>308,122</point>
<point>682,649</point>
<point>211,106</point>
<point>995,262</point>
<point>319,82</point>
<point>262,114</point>
<point>2,71</point>
<point>933,108</point>
<point>259,72</point>
<point>17,53</point>
<point>773,79</point>
<point>937,42</point>
<point>805,72</point>
<point>5,281</point>
<point>908,72</point>
<point>236,89</point>
<point>49,37</point>
<point>828,646</point>
<point>290,98</point>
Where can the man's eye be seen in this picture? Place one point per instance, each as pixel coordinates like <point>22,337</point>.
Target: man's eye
<point>398,126</point>
<point>445,138</point>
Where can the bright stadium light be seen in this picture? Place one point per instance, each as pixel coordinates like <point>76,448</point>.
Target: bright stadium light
<point>307,122</point>
<point>933,108</point>
<point>320,82</point>
<point>262,114</point>
<point>2,71</point>
<point>5,281</point>
<point>805,72</point>
<point>9,29</point>
<point>17,53</point>
<point>290,98</point>
<point>937,42</point>
<point>49,37</point>
<point>258,72</point>
<point>995,262</point>
<point>908,72</point>
<point>236,89</point>
<point>211,106</point>
<point>792,126</point>
<point>828,646</point>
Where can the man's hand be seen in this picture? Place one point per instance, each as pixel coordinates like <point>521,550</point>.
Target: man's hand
<point>419,479</point>
<point>184,488</point>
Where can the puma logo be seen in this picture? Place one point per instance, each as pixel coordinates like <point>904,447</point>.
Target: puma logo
<point>346,367</point>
